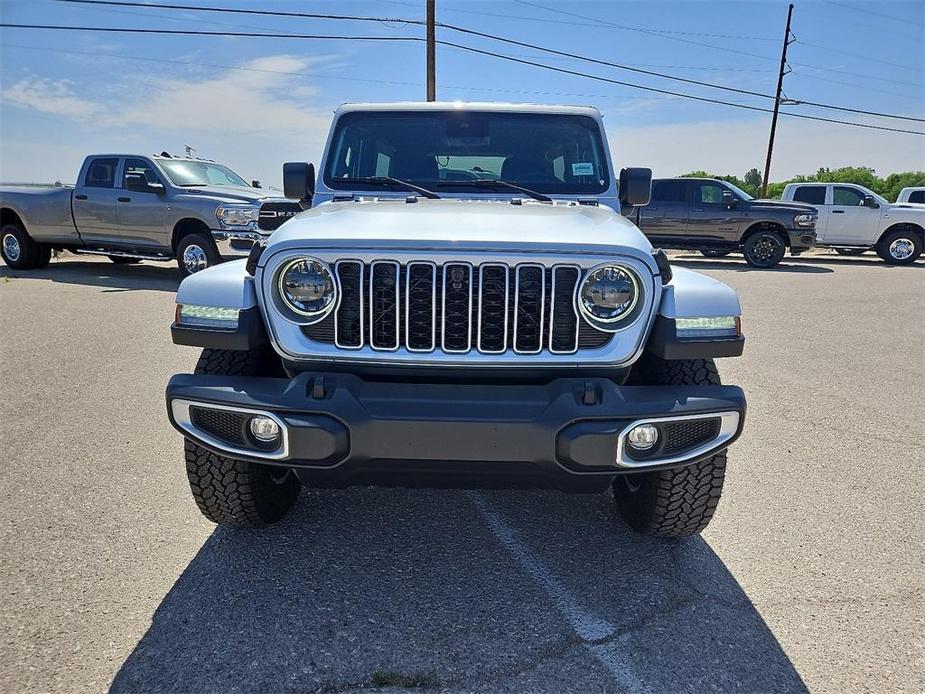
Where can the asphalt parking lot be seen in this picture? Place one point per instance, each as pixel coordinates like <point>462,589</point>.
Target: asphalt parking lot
<point>810,576</point>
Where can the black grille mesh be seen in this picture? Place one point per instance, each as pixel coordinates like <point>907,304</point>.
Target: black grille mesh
<point>493,326</point>
<point>274,214</point>
<point>222,424</point>
<point>564,325</point>
<point>349,318</point>
<point>457,307</point>
<point>530,282</point>
<point>420,305</point>
<point>383,305</point>
<point>685,434</point>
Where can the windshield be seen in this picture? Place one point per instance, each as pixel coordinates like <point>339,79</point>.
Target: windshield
<point>200,173</point>
<point>452,150</point>
<point>738,191</point>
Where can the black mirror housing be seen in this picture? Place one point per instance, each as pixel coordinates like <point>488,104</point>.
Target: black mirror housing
<point>729,200</point>
<point>870,202</point>
<point>139,183</point>
<point>299,182</point>
<point>256,184</point>
<point>635,186</point>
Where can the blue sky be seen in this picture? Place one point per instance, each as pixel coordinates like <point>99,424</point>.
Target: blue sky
<point>254,103</point>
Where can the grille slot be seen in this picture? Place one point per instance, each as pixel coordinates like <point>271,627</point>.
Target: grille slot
<point>492,308</point>
<point>383,304</point>
<point>222,424</point>
<point>529,304</point>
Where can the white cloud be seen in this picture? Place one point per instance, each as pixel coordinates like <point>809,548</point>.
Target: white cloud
<point>49,96</point>
<point>801,147</point>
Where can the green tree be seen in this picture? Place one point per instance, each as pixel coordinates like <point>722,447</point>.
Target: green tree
<point>752,182</point>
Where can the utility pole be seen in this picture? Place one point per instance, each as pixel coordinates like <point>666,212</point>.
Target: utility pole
<point>780,85</point>
<point>432,51</point>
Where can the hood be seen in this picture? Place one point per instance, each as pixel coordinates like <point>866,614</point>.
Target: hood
<point>461,224</point>
<point>782,205</point>
<point>228,193</point>
<point>917,206</point>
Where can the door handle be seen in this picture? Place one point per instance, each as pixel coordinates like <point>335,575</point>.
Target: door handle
<point>124,199</point>
<point>838,212</point>
<point>80,197</point>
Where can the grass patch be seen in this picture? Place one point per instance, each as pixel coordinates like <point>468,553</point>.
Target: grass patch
<point>383,678</point>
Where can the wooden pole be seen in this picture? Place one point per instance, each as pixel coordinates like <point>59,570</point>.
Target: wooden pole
<point>780,85</point>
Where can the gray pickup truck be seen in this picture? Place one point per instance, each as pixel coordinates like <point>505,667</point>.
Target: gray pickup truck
<point>131,208</point>
<point>717,218</point>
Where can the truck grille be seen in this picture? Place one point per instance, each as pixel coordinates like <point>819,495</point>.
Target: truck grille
<point>274,214</point>
<point>457,308</point>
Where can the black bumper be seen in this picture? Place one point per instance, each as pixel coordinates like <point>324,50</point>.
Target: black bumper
<point>342,430</point>
<point>801,240</point>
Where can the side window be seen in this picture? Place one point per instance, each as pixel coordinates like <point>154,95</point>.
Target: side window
<point>139,166</point>
<point>709,193</point>
<point>101,173</point>
<point>917,196</point>
<point>849,197</point>
<point>667,191</point>
<point>814,195</point>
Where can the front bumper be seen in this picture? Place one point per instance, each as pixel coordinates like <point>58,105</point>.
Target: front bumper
<point>570,434</point>
<point>236,244</point>
<point>801,240</point>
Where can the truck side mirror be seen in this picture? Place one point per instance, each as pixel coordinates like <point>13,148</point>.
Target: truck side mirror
<point>299,182</point>
<point>635,186</point>
<point>256,184</point>
<point>729,200</point>
<point>870,202</point>
<point>139,183</point>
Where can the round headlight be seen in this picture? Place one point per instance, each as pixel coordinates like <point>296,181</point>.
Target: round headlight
<point>307,287</point>
<point>608,294</point>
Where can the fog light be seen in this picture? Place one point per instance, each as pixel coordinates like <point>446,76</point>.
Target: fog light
<point>642,437</point>
<point>264,429</point>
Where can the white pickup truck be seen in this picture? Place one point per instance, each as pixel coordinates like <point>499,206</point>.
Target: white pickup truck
<point>853,219</point>
<point>915,195</point>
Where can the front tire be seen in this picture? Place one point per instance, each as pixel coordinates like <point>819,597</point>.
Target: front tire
<point>764,249</point>
<point>234,492</point>
<point>681,501</point>
<point>196,252</point>
<point>900,247</point>
<point>19,251</point>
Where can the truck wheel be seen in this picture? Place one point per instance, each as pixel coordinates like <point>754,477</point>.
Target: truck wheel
<point>764,249</point>
<point>900,247</point>
<point>714,252</point>
<point>233,492</point>
<point>678,502</point>
<point>122,260</point>
<point>196,252</point>
<point>19,251</point>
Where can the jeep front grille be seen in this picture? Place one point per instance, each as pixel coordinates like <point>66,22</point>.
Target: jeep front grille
<point>457,307</point>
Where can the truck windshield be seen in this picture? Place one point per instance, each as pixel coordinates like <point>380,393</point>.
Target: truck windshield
<point>738,191</point>
<point>200,173</point>
<point>453,150</point>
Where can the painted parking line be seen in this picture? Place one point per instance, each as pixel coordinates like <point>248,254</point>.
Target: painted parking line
<point>598,635</point>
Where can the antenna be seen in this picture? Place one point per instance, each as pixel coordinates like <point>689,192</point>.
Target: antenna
<point>189,151</point>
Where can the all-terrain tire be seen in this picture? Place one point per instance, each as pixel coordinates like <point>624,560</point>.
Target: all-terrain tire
<point>235,492</point>
<point>196,252</point>
<point>764,249</point>
<point>907,238</point>
<point>19,251</point>
<point>681,501</point>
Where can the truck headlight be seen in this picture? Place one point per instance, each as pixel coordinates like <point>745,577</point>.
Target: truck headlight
<point>608,294</point>
<point>804,220</point>
<point>237,215</point>
<point>307,287</point>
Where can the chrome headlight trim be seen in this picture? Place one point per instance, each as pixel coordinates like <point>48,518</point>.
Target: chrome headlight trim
<point>294,313</point>
<point>619,322</point>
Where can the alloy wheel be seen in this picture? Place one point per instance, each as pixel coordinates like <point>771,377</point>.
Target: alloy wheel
<point>11,248</point>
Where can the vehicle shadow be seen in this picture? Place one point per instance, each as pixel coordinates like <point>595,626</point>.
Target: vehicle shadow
<point>871,260</point>
<point>739,265</point>
<point>103,273</point>
<point>456,591</point>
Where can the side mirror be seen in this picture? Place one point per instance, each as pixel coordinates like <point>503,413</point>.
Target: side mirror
<point>299,182</point>
<point>256,184</point>
<point>635,186</point>
<point>139,183</point>
<point>870,202</point>
<point>729,200</point>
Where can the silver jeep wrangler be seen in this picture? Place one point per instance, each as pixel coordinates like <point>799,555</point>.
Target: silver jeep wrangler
<point>461,304</point>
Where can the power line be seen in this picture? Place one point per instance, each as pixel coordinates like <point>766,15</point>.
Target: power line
<point>190,32</point>
<point>901,20</point>
<point>672,93</point>
<point>866,58</point>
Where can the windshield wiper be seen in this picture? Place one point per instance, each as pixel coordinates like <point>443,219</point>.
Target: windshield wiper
<point>391,182</point>
<point>489,183</point>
